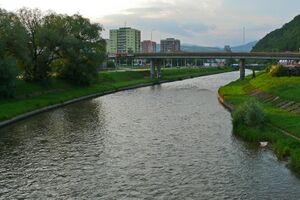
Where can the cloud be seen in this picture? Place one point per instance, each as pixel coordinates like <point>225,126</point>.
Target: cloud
<point>165,19</point>
<point>205,22</point>
<point>166,25</point>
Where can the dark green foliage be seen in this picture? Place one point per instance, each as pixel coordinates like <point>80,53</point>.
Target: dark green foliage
<point>68,46</point>
<point>11,49</point>
<point>13,37</point>
<point>79,71</point>
<point>8,72</point>
<point>281,40</point>
<point>278,70</point>
<point>250,113</point>
<point>294,71</point>
<point>295,159</point>
<point>110,64</point>
<point>82,50</point>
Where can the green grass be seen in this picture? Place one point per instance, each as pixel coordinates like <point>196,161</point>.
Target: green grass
<point>30,96</point>
<point>185,72</point>
<point>284,87</point>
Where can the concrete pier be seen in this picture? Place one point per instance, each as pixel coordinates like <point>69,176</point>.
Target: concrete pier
<point>158,70</point>
<point>152,69</point>
<point>242,68</point>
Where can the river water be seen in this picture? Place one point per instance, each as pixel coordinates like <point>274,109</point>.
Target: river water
<point>172,141</point>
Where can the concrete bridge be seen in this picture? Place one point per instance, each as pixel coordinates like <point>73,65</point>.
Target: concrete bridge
<point>156,59</point>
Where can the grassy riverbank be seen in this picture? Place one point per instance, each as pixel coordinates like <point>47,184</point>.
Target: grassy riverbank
<point>282,125</point>
<point>31,96</point>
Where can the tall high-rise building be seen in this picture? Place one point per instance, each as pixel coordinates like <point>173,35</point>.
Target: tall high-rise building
<point>112,42</point>
<point>148,46</point>
<point>124,40</point>
<point>169,45</point>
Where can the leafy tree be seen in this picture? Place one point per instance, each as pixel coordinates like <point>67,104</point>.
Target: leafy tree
<point>70,45</point>
<point>8,72</point>
<point>82,50</point>
<point>12,40</point>
<point>37,69</point>
<point>43,43</point>
<point>13,36</point>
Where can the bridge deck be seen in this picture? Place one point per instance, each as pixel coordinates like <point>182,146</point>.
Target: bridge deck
<point>220,55</point>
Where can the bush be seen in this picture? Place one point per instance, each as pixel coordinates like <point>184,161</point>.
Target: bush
<point>294,71</point>
<point>79,72</point>
<point>8,72</point>
<point>268,68</point>
<point>279,70</point>
<point>250,114</point>
<point>295,160</point>
<point>110,64</point>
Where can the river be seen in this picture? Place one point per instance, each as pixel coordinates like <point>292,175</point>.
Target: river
<point>172,141</point>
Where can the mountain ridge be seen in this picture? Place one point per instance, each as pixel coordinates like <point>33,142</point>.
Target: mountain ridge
<point>286,38</point>
<point>198,48</point>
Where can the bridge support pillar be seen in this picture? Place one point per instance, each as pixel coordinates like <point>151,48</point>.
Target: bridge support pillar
<point>242,68</point>
<point>152,69</point>
<point>159,69</point>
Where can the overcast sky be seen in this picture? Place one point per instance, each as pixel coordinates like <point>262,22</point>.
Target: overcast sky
<point>201,22</point>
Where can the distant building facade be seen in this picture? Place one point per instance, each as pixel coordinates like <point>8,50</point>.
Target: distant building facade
<point>170,45</point>
<point>124,40</point>
<point>112,42</point>
<point>148,46</point>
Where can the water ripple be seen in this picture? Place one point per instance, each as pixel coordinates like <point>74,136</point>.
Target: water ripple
<point>172,141</point>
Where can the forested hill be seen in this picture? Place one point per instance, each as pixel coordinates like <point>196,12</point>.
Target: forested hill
<point>286,38</point>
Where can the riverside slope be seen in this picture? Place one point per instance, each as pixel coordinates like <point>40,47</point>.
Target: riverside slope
<point>279,98</point>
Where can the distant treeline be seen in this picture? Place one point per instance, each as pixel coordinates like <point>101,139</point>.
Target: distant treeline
<point>36,46</point>
<point>284,39</point>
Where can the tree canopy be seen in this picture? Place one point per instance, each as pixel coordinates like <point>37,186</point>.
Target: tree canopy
<point>12,42</point>
<point>69,46</point>
<point>41,45</point>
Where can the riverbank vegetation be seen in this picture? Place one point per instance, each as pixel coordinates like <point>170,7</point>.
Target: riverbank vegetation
<point>279,98</point>
<point>30,96</point>
<point>36,47</point>
<point>49,58</point>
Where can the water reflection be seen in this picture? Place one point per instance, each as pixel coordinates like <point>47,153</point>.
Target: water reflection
<point>171,141</point>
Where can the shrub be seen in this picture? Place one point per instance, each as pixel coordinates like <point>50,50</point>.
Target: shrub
<point>110,64</point>
<point>8,72</point>
<point>294,71</point>
<point>295,160</point>
<point>279,70</point>
<point>250,113</point>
